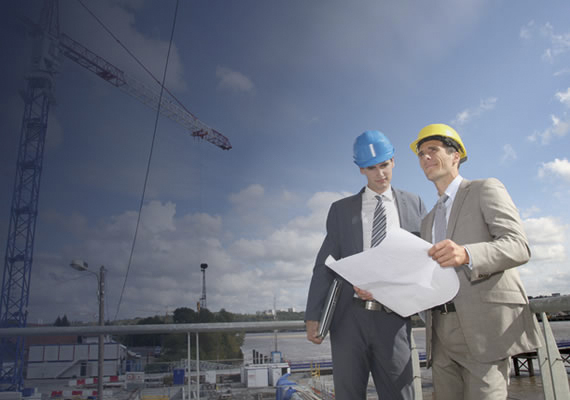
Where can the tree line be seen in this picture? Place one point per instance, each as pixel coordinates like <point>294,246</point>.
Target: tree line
<point>213,346</point>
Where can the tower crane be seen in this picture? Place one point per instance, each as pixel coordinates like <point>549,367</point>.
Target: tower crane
<point>49,45</point>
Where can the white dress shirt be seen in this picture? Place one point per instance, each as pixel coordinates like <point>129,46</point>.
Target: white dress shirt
<point>451,192</point>
<point>369,202</point>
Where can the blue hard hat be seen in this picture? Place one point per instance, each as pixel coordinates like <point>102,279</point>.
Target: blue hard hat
<point>371,148</point>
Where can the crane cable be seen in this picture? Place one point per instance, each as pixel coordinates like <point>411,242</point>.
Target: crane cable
<point>139,62</point>
<point>162,89</point>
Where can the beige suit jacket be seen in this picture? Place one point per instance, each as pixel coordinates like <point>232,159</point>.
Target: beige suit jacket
<point>491,304</point>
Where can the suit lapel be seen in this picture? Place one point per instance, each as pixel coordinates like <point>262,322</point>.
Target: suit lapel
<point>462,192</point>
<point>356,222</point>
<point>401,205</point>
<point>427,225</point>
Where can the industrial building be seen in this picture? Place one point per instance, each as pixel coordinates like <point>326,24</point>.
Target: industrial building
<point>76,360</point>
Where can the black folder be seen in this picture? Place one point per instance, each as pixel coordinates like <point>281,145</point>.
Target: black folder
<point>328,309</point>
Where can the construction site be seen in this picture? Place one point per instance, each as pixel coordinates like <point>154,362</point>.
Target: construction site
<point>86,360</point>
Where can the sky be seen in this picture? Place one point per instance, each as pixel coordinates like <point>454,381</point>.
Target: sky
<point>291,84</point>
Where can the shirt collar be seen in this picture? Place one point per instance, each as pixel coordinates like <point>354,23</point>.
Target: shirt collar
<point>453,187</point>
<point>370,194</point>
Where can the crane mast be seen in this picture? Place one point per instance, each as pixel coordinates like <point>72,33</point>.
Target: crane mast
<point>18,258</point>
<point>49,44</point>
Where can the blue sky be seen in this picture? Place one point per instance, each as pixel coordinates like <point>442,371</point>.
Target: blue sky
<point>291,84</point>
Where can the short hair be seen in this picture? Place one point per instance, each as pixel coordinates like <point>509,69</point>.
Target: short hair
<point>446,141</point>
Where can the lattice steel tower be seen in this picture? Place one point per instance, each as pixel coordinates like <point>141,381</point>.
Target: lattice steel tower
<point>48,45</point>
<point>20,244</point>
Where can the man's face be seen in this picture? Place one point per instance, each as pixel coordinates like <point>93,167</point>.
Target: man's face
<point>436,161</point>
<point>379,176</point>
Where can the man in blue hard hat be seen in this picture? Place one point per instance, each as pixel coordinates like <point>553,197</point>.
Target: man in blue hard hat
<point>366,337</point>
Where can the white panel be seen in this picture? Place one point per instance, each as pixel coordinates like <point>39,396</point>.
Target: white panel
<point>36,353</point>
<point>51,353</point>
<point>66,352</point>
<point>81,351</point>
<point>111,351</point>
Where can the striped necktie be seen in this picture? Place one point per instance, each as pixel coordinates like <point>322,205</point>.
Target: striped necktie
<point>378,223</point>
<point>440,220</point>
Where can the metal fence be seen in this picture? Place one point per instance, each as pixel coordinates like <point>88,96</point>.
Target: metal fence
<point>553,371</point>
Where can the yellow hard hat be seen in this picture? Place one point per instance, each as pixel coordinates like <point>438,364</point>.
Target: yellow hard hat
<point>444,133</point>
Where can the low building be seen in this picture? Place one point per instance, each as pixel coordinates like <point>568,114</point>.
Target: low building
<point>75,360</point>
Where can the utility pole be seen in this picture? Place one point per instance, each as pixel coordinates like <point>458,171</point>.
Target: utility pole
<point>101,360</point>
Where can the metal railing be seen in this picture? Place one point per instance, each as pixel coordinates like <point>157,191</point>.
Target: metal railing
<point>553,371</point>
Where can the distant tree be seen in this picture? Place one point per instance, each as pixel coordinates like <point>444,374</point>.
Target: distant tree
<point>213,346</point>
<point>206,315</point>
<point>224,316</point>
<point>184,315</point>
<point>61,321</point>
<point>152,339</point>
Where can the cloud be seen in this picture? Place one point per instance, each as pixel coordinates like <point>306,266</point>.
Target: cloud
<point>248,197</point>
<point>119,17</point>
<point>245,271</point>
<point>159,217</point>
<point>559,43</point>
<point>563,71</point>
<point>509,154</point>
<point>466,115</point>
<point>547,237</point>
<point>558,167</point>
<point>564,97</point>
<point>233,80</point>
<point>527,31</point>
<point>528,212</point>
<point>559,128</point>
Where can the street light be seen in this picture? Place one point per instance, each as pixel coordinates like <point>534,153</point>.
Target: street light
<point>81,265</point>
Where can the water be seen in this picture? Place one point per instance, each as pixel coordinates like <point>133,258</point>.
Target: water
<point>294,346</point>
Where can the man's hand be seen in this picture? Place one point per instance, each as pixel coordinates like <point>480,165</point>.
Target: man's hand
<point>449,254</point>
<point>363,294</point>
<point>312,328</point>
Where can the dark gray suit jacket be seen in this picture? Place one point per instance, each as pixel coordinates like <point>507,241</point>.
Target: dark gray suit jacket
<point>343,239</point>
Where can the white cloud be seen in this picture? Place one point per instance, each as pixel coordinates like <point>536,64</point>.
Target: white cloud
<point>233,80</point>
<point>526,31</point>
<point>120,18</point>
<point>248,197</point>
<point>243,275</point>
<point>509,154</point>
<point>564,97</point>
<point>559,128</point>
<point>563,71</point>
<point>468,114</point>
<point>159,217</point>
<point>558,167</point>
<point>547,237</point>
<point>559,43</point>
<point>528,212</point>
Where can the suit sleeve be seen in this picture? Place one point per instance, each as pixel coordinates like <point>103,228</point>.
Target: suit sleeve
<point>507,246</point>
<point>323,275</point>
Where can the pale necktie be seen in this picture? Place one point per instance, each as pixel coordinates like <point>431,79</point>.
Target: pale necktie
<point>440,220</point>
<point>378,223</point>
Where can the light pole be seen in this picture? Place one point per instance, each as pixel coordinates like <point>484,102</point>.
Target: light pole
<point>81,265</point>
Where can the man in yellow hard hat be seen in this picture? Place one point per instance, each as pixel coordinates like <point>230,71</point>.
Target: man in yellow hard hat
<point>476,229</point>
